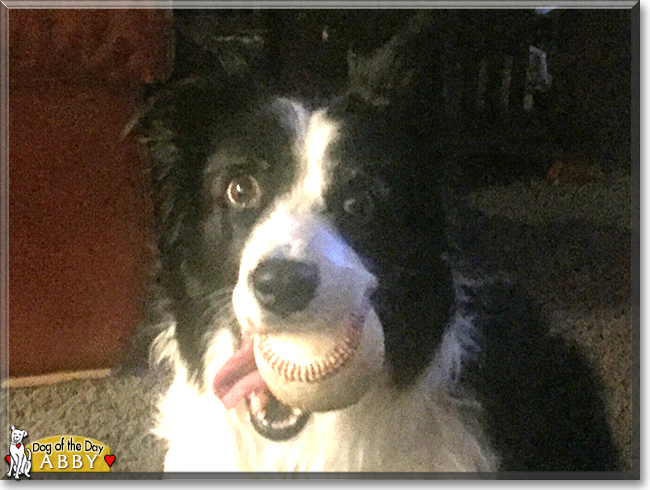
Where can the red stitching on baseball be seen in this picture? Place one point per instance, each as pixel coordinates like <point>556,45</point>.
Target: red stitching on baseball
<point>318,370</point>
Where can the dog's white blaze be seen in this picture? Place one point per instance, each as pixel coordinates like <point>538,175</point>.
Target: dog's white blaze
<point>316,166</point>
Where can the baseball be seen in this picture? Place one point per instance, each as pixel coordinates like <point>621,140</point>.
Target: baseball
<point>322,370</point>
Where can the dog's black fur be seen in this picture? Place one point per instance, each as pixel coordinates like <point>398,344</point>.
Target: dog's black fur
<point>542,402</point>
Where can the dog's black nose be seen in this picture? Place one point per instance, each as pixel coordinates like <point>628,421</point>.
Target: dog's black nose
<point>284,286</point>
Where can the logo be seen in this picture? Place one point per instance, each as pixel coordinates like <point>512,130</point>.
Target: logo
<point>19,457</point>
<point>60,454</point>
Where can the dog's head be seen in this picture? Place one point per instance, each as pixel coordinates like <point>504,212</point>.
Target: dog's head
<point>275,216</point>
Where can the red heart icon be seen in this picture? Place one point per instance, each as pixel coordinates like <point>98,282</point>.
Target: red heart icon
<point>109,459</point>
<point>8,458</point>
<point>18,446</point>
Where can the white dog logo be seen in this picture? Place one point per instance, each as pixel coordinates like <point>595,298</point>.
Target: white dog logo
<point>20,462</point>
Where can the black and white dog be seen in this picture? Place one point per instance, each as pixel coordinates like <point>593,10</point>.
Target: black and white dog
<point>274,214</point>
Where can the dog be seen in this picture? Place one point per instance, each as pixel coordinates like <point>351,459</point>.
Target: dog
<point>21,457</point>
<point>276,214</point>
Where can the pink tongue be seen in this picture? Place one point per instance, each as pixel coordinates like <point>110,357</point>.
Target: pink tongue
<point>239,377</point>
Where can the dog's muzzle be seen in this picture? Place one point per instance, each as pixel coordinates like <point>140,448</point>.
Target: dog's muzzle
<point>301,289</point>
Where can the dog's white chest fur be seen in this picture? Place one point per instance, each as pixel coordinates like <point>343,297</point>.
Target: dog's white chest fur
<point>424,429</point>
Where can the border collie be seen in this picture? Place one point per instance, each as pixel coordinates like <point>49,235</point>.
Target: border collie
<point>274,214</point>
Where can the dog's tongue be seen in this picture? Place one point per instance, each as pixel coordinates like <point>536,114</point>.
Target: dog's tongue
<point>239,377</point>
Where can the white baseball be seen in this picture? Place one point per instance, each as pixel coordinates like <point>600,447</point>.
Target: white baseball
<point>318,371</point>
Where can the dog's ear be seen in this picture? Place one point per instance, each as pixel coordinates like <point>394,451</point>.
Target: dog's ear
<point>24,434</point>
<point>13,427</point>
<point>383,76</point>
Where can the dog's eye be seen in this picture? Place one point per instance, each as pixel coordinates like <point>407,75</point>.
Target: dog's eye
<point>243,192</point>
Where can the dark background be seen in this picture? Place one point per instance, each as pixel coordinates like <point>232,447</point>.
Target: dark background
<point>583,116</point>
